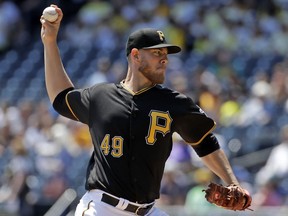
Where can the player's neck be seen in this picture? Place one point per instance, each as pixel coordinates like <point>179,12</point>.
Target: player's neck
<point>131,87</point>
<point>135,83</point>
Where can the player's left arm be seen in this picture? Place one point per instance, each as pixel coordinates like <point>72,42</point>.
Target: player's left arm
<point>218,163</point>
<point>195,127</point>
<point>232,196</point>
<point>215,159</point>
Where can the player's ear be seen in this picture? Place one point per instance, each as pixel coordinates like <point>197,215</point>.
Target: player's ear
<point>135,54</point>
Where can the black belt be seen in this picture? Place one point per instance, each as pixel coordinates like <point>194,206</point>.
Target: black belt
<point>138,210</point>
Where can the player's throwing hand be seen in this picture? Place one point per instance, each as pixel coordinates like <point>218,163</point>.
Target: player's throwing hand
<point>49,30</point>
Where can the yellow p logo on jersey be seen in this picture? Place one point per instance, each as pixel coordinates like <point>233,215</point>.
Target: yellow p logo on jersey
<point>160,122</point>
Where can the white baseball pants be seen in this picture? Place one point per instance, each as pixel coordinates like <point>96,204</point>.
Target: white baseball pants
<point>91,205</point>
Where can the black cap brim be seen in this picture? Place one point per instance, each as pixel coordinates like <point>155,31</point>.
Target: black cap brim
<point>171,48</point>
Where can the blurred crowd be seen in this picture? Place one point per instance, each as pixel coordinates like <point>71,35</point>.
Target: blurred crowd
<point>234,65</point>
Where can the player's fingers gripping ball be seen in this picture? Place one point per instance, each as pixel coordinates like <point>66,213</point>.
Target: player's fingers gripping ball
<point>50,14</point>
<point>230,197</point>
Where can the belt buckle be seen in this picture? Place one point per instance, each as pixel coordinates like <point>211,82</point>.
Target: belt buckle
<point>136,212</point>
<point>139,213</point>
<point>144,208</point>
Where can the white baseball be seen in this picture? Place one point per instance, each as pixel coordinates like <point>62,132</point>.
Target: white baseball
<point>50,14</point>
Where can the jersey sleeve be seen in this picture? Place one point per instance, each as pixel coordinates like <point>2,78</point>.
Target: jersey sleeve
<point>193,125</point>
<point>78,103</point>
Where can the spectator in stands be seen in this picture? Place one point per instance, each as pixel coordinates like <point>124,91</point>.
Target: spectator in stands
<point>10,21</point>
<point>14,189</point>
<point>276,166</point>
<point>100,67</point>
<point>195,202</point>
<point>268,194</point>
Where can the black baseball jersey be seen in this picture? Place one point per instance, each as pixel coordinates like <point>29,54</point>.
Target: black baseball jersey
<point>132,135</point>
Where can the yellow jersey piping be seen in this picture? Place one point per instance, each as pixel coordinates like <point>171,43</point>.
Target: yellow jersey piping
<point>138,92</point>
<point>196,143</point>
<point>67,102</point>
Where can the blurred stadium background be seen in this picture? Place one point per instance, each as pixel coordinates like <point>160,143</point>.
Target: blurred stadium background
<point>234,65</point>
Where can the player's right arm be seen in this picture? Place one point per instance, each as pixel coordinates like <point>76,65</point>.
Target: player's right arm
<point>56,78</point>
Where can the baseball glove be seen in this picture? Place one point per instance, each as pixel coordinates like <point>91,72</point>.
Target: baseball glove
<point>230,197</point>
